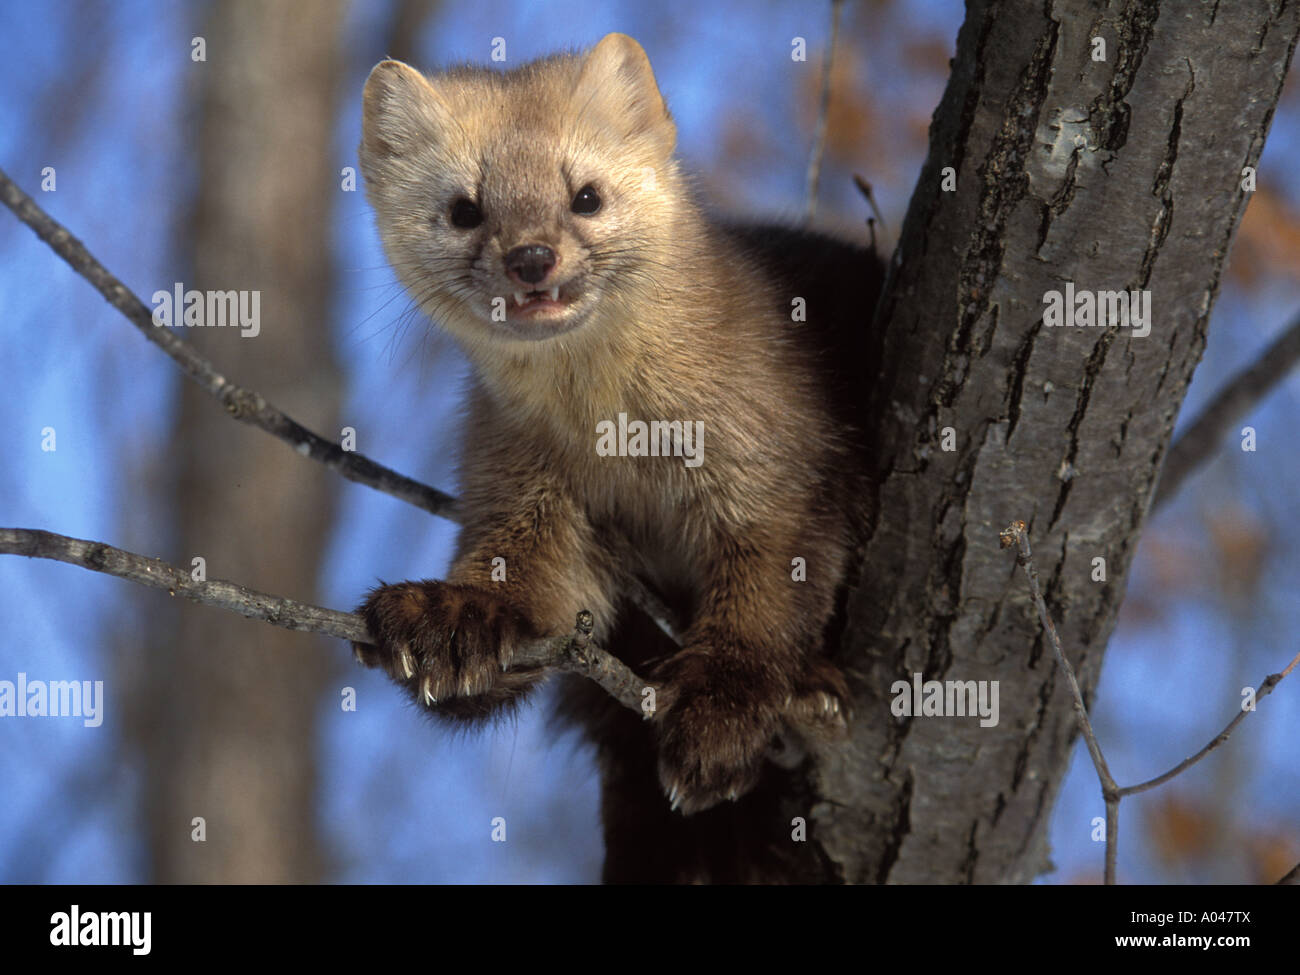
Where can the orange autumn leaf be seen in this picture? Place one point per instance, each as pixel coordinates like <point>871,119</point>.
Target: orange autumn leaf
<point>1272,853</point>
<point>1241,544</point>
<point>1268,241</point>
<point>1179,829</point>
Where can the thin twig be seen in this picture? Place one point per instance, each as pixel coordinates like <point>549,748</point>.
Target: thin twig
<point>877,217</point>
<point>405,24</point>
<point>1017,533</point>
<point>1265,689</point>
<point>242,404</point>
<point>574,653</point>
<point>1206,433</point>
<point>250,407</point>
<point>823,112</point>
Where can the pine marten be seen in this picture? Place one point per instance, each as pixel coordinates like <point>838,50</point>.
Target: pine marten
<point>540,216</point>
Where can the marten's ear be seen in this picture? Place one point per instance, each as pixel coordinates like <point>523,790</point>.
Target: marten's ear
<point>400,111</point>
<point>616,90</point>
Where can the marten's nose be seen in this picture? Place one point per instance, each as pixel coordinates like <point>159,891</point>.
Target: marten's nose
<point>530,264</point>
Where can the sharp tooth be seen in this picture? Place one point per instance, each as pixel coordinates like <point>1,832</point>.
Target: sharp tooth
<point>519,297</point>
<point>555,294</point>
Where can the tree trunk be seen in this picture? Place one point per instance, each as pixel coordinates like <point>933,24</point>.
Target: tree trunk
<point>228,717</point>
<point>1122,173</point>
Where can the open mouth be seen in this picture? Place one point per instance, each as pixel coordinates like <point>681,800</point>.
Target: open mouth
<point>543,313</point>
<point>529,302</point>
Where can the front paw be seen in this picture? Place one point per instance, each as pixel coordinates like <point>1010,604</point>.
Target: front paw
<point>716,722</point>
<point>440,639</point>
<point>819,710</point>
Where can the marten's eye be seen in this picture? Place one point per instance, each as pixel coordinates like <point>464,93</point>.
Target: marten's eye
<point>466,214</point>
<point>586,202</point>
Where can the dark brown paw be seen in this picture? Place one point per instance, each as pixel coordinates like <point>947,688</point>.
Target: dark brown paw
<point>716,723</point>
<point>441,640</point>
<point>819,707</point>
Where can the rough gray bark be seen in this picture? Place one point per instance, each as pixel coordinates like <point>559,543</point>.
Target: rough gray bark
<point>227,712</point>
<point>1064,427</point>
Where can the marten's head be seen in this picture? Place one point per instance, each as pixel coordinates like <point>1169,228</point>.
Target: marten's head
<point>518,205</point>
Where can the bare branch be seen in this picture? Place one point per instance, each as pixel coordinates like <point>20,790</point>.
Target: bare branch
<point>242,404</point>
<point>876,216</point>
<point>1200,441</point>
<point>573,653</point>
<point>1017,533</point>
<point>1265,689</point>
<point>823,111</point>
